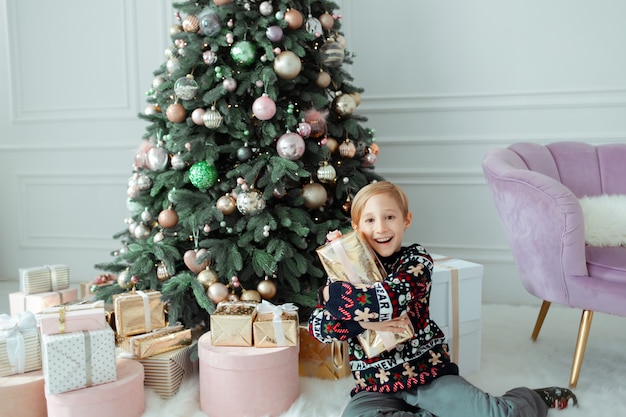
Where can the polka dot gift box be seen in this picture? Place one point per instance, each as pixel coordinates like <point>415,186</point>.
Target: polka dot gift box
<point>78,360</point>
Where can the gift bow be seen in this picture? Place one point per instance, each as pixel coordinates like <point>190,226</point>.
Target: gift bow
<point>266,307</point>
<point>12,329</point>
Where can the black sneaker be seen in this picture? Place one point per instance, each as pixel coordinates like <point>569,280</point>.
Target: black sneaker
<point>556,397</point>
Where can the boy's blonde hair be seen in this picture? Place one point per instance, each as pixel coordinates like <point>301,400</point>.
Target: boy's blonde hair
<point>376,188</point>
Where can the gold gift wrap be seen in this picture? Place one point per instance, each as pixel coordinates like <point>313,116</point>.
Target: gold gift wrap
<point>275,325</point>
<point>138,312</point>
<point>231,323</point>
<point>156,342</point>
<point>349,258</point>
<point>322,360</point>
<point>165,372</point>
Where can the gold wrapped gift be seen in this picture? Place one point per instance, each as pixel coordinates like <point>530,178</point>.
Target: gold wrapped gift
<point>138,312</point>
<point>350,258</point>
<point>156,342</point>
<point>166,372</point>
<point>231,323</point>
<point>322,360</point>
<point>275,325</point>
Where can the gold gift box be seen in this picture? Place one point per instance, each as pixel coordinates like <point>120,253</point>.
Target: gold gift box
<point>138,312</point>
<point>349,258</point>
<point>322,360</point>
<point>156,342</point>
<point>231,323</point>
<point>165,373</point>
<point>265,331</point>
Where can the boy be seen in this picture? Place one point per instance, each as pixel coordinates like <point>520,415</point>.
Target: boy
<point>416,378</point>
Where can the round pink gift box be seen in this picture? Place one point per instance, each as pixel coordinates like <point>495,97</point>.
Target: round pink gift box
<point>267,378</point>
<point>23,395</point>
<point>121,398</point>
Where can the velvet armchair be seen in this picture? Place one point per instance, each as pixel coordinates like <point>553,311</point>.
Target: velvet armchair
<point>536,190</point>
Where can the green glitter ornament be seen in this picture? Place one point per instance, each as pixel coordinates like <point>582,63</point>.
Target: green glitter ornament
<point>243,53</point>
<point>202,175</point>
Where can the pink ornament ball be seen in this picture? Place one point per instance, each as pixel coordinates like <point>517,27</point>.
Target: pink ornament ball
<point>264,107</point>
<point>290,146</point>
<point>196,116</point>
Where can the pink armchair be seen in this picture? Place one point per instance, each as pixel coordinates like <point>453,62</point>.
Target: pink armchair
<point>535,189</point>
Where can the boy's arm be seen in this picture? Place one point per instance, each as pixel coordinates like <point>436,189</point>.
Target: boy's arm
<point>387,299</point>
<point>325,328</point>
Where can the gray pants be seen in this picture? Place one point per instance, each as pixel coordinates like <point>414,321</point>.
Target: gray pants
<point>447,396</point>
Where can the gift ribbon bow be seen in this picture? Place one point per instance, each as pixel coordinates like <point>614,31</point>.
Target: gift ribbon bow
<point>13,328</point>
<point>266,307</point>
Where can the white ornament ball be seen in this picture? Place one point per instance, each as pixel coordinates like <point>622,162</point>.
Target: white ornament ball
<point>290,146</point>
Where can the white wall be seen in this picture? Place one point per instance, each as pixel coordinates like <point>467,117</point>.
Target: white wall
<point>444,81</point>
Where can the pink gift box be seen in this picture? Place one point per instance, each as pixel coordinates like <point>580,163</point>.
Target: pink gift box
<point>122,398</point>
<point>73,318</point>
<point>20,302</point>
<point>268,376</point>
<point>23,395</point>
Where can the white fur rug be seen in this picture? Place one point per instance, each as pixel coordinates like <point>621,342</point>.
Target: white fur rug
<point>605,219</point>
<point>509,359</point>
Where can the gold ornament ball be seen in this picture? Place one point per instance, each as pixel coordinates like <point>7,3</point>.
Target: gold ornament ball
<point>347,149</point>
<point>327,21</point>
<point>287,65</point>
<point>162,274</point>
<point>267,289</point>
<point>221,2</point>
<point>332,144</point>
<point>323,79</point>
<point>191,24</point>
<point>123,280</point>
<point>217,292</point>
<point>344,105</point>
<point>176,113</point>
<point>226,204</point>
<point>294,19</point>
<point>233,298</point>
<point>168,218</point>
<point>357,98</point>
<point>250,295</point>
<point>314,195</point>
<point>207,277</point>
<point>174,29</point>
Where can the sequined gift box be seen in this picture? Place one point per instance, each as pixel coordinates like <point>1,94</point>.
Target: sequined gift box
<point>20,302</point>
<point>20,350</point>
<point>138,312</point>
<point>72,318</point>
<point>44,279</point>
<point>322,360</point>
<point>78,360</point>
<point>231,323</point>
<point>275,325</point>
<point>156,342</point>
<point>165,372</point>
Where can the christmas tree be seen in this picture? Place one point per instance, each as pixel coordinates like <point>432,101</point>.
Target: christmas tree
<point>251,155</point>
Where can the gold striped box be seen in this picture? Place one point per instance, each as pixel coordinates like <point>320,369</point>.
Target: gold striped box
<point>44,279</point>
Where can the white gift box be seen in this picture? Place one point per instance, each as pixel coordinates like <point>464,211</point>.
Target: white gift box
<point>456,306</point>
<point>44,279</point>
<point>20,350</point>
<point>78,360</point>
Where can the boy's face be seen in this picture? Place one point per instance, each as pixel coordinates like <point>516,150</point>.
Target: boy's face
<point>382,224</point>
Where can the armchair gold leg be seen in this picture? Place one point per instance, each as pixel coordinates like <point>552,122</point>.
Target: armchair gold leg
<point>581,344</point>
<point>540,317</point>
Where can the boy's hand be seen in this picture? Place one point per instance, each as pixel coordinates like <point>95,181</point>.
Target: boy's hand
<point>396,325</point>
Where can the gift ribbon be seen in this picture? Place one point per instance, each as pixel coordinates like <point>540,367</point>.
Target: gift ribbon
<point>53,278</point>
<point>454,295</point>
<point>88,364</point>
<point>16,349</point>
<point>146,310</point>
<point>340,251</point>
<point>266,307</point>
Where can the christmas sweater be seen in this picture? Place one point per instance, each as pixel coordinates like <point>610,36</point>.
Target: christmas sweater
<point>406,289</point>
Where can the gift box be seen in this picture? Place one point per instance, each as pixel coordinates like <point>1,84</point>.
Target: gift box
<point>89,288</point>
<point>78,360</point>
<point>231,323</point>
<point>166,372</point>
<point>322,360</point>
<point>158,341</point>
<point>275,325</point>
<point>456,306</point>
<point>124,397</point>
<point>269,377</point>
<point>19,344</point>
<point>20,302</point>
<point>72,318</point>
<point>138,312</point>
<point>44,279</point>
<point>350,258</point>
<point>23,395</point>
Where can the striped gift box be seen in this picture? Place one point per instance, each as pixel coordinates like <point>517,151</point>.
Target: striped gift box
<point>20,349</point>
<point>44,279</point>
